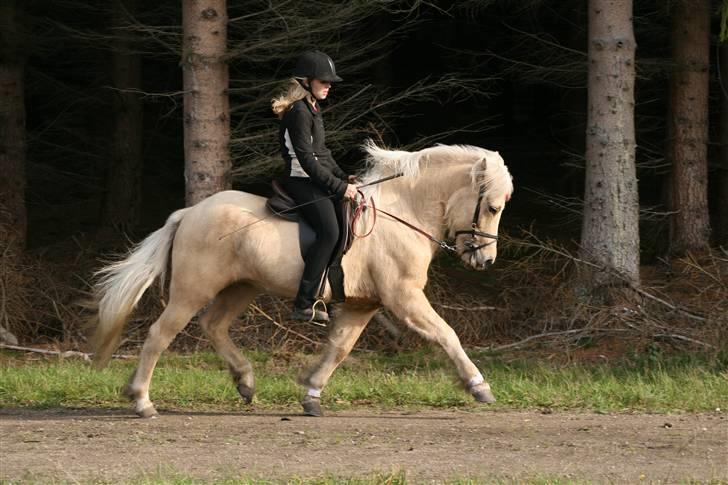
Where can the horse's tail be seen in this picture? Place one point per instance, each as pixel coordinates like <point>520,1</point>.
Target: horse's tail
<point>120,286</point>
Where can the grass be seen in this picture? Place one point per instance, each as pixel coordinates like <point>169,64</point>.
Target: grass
<point>653,383</point>
<point>170,477</point>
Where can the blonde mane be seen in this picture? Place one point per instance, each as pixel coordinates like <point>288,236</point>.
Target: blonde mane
<point>495,178</point>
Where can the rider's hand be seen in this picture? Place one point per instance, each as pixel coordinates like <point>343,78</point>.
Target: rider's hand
<point>350,192</point>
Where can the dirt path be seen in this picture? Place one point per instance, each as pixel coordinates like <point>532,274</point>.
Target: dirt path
<point>427,445</point>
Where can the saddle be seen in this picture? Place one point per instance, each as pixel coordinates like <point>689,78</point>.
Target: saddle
<point>282,205</point>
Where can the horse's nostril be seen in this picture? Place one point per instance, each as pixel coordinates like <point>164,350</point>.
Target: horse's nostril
<point>488,263</point>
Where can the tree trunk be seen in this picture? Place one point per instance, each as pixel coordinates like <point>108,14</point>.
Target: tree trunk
<point>610,236</point>
<point>13,218</point>
<point>688,126</point>
<point>206,105</point>
<point>122,207</point>
<point>722,233</point>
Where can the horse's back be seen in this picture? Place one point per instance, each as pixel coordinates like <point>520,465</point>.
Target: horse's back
<point>237,198</point>
<point>232,236</point>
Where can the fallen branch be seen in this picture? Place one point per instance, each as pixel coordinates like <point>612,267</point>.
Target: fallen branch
<point>461,308</point>
<point>532,337</point>
<point>60,353</point>
<point>682,337</point>
<point>669,305</point>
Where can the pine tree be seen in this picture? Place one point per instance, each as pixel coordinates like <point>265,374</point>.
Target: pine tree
<point>206,105</point>
<point>687,126</point>
<point>13,219</point>
<point>610,236</point>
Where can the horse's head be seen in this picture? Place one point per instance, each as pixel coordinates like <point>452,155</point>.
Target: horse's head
<point>474,211</point>
<point>473,183</point>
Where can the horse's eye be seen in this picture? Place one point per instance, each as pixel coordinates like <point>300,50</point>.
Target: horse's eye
<point>493,210</point>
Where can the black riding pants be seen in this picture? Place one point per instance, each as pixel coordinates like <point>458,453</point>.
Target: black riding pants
<point>322,216</point>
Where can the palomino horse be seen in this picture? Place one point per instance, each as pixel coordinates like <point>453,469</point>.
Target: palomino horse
<point>455,190</point>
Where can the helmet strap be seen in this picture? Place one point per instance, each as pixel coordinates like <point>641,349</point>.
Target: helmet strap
<point>307,88</point>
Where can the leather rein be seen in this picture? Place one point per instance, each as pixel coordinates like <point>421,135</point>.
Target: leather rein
<point>471,245</point>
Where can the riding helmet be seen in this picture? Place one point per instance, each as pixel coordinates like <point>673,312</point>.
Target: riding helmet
<point>316,65</point>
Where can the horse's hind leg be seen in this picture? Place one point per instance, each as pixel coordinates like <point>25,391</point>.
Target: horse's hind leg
<point>179,311</point>
<point>228,304</point>
<point>347,327</point>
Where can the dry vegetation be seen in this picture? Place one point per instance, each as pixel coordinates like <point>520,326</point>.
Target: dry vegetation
<point>524,302</point>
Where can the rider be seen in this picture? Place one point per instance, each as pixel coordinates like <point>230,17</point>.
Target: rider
<point>312,176</point>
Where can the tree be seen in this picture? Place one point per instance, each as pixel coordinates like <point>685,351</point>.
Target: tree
<point>122,204</point>
<point>610,236</point>
<point>206,105</point>
<point>722,218</point>
<point>13,218</point>
<point>687,126</point>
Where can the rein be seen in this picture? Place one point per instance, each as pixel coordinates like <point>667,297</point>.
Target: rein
<point>363,205</point>
<point>470,246</point>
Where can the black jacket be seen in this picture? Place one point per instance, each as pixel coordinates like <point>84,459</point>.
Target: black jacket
<point>303,147</point>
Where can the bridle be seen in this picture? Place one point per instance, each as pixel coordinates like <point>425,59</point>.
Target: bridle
<point>471,245</point>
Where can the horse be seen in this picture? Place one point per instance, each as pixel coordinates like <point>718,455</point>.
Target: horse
<point>229,248</point>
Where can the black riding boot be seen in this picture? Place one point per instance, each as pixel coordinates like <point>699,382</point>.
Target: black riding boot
<point>303,306</point>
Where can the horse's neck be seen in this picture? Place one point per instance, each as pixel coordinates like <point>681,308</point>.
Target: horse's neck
<point>423,200</point>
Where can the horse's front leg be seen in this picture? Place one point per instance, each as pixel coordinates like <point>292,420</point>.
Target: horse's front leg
<point>412,307</point>
<point>345,331</point>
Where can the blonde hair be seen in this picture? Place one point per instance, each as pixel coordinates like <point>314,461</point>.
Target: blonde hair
<point>292,92</point>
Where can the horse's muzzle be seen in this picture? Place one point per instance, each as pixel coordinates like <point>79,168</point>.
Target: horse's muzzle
<point>478,261</point>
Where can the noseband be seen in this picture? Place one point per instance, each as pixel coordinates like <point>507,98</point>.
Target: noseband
<point>472,245</point>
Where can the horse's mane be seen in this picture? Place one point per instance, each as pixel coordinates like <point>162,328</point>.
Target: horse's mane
<point>382,163</point>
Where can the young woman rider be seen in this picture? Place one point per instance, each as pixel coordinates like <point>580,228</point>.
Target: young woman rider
<point>312,176</point>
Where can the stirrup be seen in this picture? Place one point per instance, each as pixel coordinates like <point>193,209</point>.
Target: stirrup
<point>309,315</point>
<point>325,313</point>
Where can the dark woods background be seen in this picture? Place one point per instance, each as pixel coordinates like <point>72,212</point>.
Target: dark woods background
<point>505,75</point>
<point>518,85</point>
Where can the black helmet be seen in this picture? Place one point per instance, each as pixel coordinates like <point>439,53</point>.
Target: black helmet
<point>316,65</point>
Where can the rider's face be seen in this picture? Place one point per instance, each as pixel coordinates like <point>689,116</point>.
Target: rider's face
<point>320,89</point>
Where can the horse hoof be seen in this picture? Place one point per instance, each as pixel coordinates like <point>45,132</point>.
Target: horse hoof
<point>148,413</point>
<point>246,393</point>
<point>482,393</point>
<point>312,406</point>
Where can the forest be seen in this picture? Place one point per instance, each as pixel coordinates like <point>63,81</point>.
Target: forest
<point>614,126</point>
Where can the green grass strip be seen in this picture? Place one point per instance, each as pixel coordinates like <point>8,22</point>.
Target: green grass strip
<point>421,379</point>
<point>171,477</point>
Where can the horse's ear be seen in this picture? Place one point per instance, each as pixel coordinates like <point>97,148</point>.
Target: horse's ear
<point>484,163</point>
